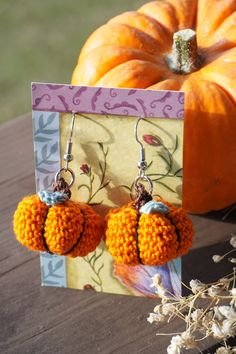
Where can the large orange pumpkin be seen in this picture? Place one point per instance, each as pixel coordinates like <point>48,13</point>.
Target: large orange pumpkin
<point>131,51</point>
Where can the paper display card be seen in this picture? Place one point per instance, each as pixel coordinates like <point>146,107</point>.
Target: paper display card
<point>104,141</point>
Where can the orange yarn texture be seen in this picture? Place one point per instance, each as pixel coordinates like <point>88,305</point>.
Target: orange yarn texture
<point>72,229</point>
<point>153,239</point>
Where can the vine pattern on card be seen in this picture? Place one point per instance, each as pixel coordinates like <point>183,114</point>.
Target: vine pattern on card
<point>46,129</point>
<point>94,261</point>
<point>167,156</point>
<point>93,187</point>
<point>124,102</point>
<point>103,182</point>
<point>46,147</point>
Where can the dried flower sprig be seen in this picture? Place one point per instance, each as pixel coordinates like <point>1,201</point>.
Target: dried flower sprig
<point>209,311</point>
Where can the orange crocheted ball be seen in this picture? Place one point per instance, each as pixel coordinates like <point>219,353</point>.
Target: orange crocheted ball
<point>71,228</point>
<point>151,239</point>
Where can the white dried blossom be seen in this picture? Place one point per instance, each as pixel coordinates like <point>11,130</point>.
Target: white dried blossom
<point>214,290</point>
<point>223,350</point>
<point>233,292</point>
<point>217,258</point>
<point>217,331</point>
<point>188,340</point>
<point>154,317</point>
<point>185,340</point>
<point>228,328</point>
<point>217,314</point>
<point>162,292</point>
<point>225,311</point>
<point>165,309</point>
<point>232,260</point>
<point>233,241</point>
<point>175,345</point>
<point>225,281</point>
<point>228,312</point>
<point>158,309</point>
<point>156,281</point>
<point>196,315</point>
<point>168,309</point>
<point>196,286</point>
<point>225,329</point>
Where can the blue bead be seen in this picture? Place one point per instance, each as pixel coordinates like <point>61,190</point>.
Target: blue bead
<point>153,207</point>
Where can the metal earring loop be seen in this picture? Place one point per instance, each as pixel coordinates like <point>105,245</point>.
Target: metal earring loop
<point>65,169</point>
<point>138,179</point>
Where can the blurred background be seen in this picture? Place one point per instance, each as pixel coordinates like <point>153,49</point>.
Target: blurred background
<point>40,41</point>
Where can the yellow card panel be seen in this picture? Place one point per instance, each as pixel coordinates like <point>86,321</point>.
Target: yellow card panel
<point>105,163</point>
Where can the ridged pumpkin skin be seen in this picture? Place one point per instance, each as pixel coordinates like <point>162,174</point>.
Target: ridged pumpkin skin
<point>130,52</point>
<point>157,237</point>
<point>72,229</point>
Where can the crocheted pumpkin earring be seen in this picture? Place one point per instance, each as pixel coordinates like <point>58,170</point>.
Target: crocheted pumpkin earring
<point>50,222</point>
<point>147,231</point>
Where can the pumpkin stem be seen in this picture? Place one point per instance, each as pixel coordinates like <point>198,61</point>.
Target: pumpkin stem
<point>184,58</point>
<point>62,186</point>
<point>141,197</point>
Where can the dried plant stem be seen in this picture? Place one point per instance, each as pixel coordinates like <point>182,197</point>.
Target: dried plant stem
<point>186,286</point>
<point>168,334</point>
<point>233,278</point>
<point>226,254</point>
<point>190,310</point>
<point>215,317</point>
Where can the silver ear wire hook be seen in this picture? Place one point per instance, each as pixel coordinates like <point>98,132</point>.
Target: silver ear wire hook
<point>68,157</point>
<point>142,164</point>
<point>136,132</point>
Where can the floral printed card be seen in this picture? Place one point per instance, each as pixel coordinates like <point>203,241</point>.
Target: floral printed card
<point>105,164</point>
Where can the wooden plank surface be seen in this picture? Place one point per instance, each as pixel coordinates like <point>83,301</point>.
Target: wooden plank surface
<point>37,319</point>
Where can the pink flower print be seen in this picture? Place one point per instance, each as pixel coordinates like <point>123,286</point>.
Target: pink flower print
<point>152,140</point>
<point>85,168</point>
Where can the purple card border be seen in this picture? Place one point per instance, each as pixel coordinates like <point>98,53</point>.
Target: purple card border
<point>107,101</point>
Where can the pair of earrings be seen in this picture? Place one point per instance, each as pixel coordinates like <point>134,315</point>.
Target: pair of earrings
<point>146,231</point>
